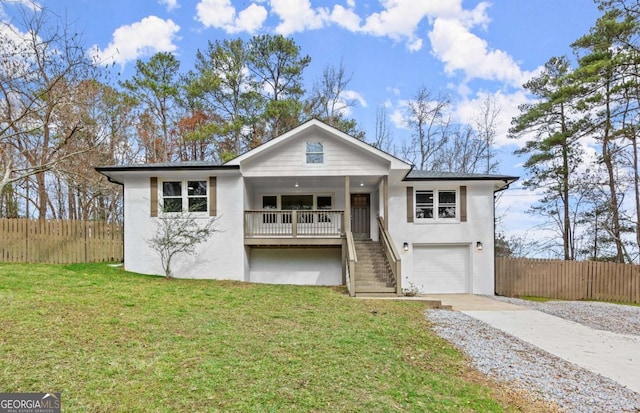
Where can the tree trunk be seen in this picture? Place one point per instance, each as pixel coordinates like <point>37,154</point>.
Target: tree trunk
<point>42,195</point>
<point>566,235</point>
<point>613,201</point>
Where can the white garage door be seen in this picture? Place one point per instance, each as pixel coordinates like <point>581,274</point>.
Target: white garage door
<point>441,269</point>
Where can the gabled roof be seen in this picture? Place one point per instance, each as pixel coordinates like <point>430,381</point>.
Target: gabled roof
<point>319,125</point>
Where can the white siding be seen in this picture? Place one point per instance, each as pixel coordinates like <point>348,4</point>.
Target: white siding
<point>340,159</point>
<point>479,227</point>
<point>301,266</point>
<point>221,257</point>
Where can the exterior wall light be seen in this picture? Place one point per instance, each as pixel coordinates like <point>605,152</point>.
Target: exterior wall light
<point>405,247</point>
<point>479,246</point>
<point>296,185</point>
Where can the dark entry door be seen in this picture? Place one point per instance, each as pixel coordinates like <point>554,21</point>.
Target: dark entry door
<point>360,218</point>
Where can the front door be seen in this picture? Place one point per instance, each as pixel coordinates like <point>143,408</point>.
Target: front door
<point>360,218</point>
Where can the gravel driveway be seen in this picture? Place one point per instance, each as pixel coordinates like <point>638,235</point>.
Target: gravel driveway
<point>508,359</point>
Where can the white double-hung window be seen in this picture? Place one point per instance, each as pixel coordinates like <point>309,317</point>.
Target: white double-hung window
<point>433,204</point>
<point>184,196</point>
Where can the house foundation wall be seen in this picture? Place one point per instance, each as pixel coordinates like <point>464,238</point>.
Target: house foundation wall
<point>299,266</point>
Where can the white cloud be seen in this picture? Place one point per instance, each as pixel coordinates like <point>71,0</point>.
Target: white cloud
<point>400,19</point>
<point>251,19</point>
<point>215,13</point>
<point>398,114</point>
<point>345,18</point>
<point>144,38</point>
<point>298,16</point>
<point>354,96</point>
<point>32,5</point>
<point>461,50</point>
<point>393,90</point>
<point>221,14</point>
<point>16,55</point>
<point>171,4</point>
<point>351,96</point>
<point>467,110</point>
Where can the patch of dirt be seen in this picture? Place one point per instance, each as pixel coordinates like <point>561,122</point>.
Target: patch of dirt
<point>512,397</point>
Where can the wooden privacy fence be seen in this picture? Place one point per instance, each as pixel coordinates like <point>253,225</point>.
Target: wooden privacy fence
<point>569,280</point>
<point>60,241</point>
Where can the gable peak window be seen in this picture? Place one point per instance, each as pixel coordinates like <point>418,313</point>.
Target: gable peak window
<point>314,152</point>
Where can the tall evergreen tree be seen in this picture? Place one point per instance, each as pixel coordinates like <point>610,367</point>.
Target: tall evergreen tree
<point>602,72</point>
<point>552,149</point>
<point>277,66</point>
<point>221,88</point>
<point>155,87</point>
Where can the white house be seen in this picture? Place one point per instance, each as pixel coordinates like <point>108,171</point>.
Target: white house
<point>318,207</point>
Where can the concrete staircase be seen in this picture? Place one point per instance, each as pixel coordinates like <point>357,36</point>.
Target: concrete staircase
<point>373,274</point>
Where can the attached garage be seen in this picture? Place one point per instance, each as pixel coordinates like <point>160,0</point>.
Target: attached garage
<point>442,269</point>
<point>300,266</point>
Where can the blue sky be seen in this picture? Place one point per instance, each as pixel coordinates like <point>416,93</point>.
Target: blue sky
<point>391,47</point>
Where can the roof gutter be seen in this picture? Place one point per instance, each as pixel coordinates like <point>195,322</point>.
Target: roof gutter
<point>102,169</point>
<point>507,183</point>
<point>113,181</point>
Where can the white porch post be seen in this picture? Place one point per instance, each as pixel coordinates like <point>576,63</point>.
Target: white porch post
<point>385,200</point>
<point>294,223</point>
<point>347,204</point>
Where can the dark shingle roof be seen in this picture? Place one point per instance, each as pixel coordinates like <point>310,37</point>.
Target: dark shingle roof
<point>417,175</point>
<point>185,165</point>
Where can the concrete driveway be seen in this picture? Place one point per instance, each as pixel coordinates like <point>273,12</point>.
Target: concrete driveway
<point>616,356</point>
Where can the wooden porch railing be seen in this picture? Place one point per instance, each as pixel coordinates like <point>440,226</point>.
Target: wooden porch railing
<point>307,223</point>
<point>350,264</point>
<point>392,254</point>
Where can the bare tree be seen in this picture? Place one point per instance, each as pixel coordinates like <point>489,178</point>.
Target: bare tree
<point>383,139</point>
<point>327,95</point>
<point>429,120</point>
<point>330,102</point>
<point>464,151</point>
<point>179,235</point>
<point>485,125</point>
<point>41,65</point>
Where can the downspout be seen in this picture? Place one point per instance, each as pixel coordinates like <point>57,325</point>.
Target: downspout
<point>124,215</point>
<point>505,187</point>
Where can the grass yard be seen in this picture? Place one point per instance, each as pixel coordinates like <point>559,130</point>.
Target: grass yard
<point>116,341</point>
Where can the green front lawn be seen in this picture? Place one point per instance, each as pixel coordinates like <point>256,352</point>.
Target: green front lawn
<point>116,341</point>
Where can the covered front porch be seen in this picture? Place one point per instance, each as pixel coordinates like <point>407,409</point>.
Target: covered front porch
<point>299,210</point>
<point>324,212</point>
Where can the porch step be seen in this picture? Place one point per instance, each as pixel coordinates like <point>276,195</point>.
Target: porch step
<point>375,290</point>
<point>429,303</point>
<point>376,295</point>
